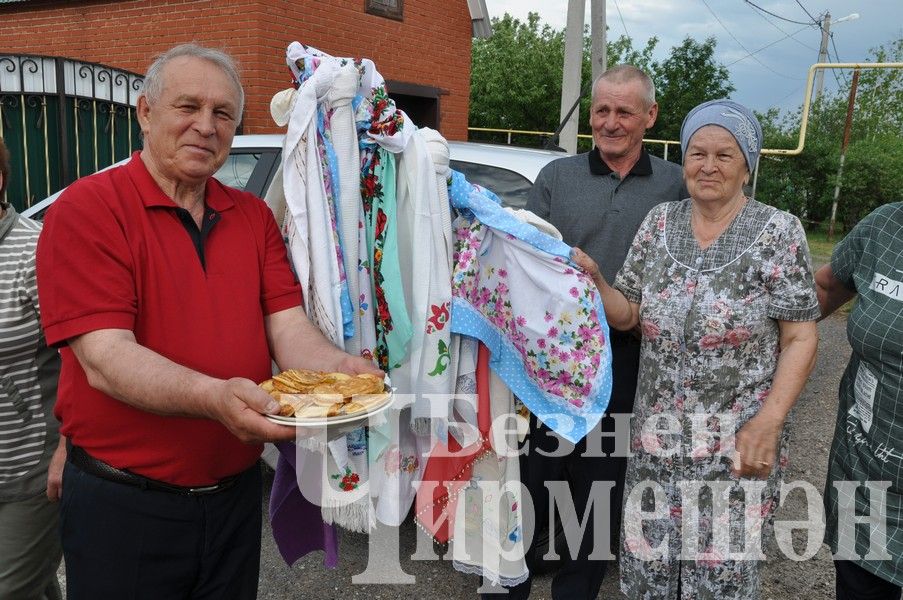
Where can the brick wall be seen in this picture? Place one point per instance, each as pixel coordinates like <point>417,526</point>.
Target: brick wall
<point>431,47</point>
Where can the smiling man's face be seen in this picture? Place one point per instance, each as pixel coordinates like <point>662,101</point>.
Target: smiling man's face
<point>188,130</point>
<point>619,117</point>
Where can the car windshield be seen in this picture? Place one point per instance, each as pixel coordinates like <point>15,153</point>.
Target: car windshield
<point>237,170</point>
<point>512,188</point>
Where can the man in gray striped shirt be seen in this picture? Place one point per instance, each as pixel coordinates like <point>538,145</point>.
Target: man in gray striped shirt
<point>29,544</point>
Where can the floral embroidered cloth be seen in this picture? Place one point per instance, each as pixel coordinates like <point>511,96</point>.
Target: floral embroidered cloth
<point>542,319</point>
<point>314,234</point>
<point>710,347</point>
<point>393,326</point>
<point>426,277</point>
<point>309,227</point>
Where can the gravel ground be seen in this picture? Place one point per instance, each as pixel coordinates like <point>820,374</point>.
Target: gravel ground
<point>782,578</point>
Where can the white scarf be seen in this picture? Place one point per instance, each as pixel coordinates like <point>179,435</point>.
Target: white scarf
<point>424,225</point>
<point>307,227</point>
<point>344,140</point>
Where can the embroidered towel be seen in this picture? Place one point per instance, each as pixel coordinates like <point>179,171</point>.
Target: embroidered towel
<point>307,228</point>
<point>426,278</point>
<point>541,318</point>
<point>488,536</point>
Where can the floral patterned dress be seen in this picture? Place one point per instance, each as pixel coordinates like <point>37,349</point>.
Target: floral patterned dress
<point>709,353</point>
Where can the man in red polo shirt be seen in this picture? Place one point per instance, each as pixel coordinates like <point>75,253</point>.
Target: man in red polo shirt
<point>168,295</point>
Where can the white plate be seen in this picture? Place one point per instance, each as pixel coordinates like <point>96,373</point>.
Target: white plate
<point>338,420</point>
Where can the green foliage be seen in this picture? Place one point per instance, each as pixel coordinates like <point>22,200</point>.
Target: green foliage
<point>621,51</point>
<point>872,176</point>
<point>873,168</point>
<point>516,77</point>
<point>686,78</point>
<point>515,80</point>
<point>879,103</point>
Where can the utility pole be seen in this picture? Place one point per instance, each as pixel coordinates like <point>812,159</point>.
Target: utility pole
<point>570,76</point>
<point>848,126</point>
<point>822,55</point>
<point>599,49</point>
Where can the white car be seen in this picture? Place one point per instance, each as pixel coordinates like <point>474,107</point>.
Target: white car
<point>506,170</point>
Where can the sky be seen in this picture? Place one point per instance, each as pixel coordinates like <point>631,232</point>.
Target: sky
<point>772,77</point>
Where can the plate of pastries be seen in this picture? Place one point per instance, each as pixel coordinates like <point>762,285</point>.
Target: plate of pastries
<point>317,398</point>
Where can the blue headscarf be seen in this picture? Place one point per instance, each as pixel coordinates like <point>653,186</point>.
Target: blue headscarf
<point>736,118</point>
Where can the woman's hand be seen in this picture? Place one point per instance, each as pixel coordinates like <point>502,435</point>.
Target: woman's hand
<point>756,443</point>
<point>756,446</point>
<point>832,294</point>
<point>589,266</point>
<point>619,312</point>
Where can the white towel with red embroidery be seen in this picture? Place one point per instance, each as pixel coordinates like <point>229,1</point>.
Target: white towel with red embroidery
<point>424,225</point>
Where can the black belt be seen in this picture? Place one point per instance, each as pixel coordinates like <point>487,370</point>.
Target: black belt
<point>98,468</point>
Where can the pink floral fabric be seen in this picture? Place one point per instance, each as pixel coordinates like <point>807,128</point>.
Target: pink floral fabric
<point>540,317</point>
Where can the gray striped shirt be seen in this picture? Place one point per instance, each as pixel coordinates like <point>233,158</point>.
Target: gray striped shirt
<point>28,369</point>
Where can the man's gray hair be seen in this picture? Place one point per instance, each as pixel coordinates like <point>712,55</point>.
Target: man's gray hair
<point>153,80</point>
<point>626,74</point>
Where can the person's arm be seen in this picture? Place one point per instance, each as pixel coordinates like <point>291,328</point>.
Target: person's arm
<point>832,293</point>
<point>117,365</point>
<point>619,311</point>
<point>55,471</point>
<point>295,342</point>
<point>757,441</point>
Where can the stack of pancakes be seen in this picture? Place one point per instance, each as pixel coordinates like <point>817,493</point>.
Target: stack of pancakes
<point>315,394</point>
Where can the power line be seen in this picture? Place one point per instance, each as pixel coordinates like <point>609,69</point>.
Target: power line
<point>622,18</point>
<point>836,53</point>
<point>787,35</point>
<point>808,13</point>
<point>777,16</point>
<point>745,49</point>
<point>795,91</point>
<point>837,58</point>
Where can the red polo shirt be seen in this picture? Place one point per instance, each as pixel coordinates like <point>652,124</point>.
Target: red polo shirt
<point>114,254</point>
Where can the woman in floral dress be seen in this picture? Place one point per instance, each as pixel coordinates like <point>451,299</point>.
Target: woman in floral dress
<point>721,287</point>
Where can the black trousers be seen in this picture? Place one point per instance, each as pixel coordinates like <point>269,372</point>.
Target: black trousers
<point>120,541</point>
<point>855,583</point>
<point>579,577</point>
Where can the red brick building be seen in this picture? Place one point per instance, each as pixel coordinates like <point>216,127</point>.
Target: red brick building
<point>421,47</point>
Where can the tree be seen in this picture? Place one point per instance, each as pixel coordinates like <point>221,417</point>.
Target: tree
<point>515,80</point>
<point>516,77</point>
<point>689,76</point>
<point>873,170</point>
<point>880,97</point>
<point>872,176</point>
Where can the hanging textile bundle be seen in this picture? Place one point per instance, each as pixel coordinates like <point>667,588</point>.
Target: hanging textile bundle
<point>369,200</point>
<point>542,318</point>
